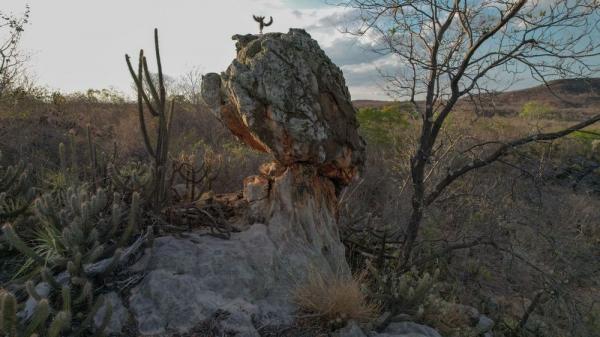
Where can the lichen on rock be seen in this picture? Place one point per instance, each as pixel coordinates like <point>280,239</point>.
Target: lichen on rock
<point>283,95</point>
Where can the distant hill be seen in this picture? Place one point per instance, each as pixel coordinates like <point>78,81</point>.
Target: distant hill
<point>366,103</point>
<point>568,99</point>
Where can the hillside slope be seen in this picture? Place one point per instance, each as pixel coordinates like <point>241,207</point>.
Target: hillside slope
<point>567,99</point>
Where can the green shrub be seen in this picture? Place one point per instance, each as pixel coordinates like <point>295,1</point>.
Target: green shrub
<point>536,110</point>
<point>379,125</point>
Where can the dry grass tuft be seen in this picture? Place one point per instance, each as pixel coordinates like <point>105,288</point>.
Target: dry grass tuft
<point>333,302</point>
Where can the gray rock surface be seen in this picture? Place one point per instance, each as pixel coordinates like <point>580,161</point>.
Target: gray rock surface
<point>350,330</point>
<point>119,314</point>
<point>283,95</point>
<point>402,329</point>
<point>408,329</point>
<point>252,275</point>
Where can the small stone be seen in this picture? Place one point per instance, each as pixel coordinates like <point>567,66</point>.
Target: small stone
<point>484,324</point>
<point>350,330</point>
<point>408,329</point>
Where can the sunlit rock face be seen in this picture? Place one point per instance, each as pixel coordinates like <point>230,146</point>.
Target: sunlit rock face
<point>283,95</point>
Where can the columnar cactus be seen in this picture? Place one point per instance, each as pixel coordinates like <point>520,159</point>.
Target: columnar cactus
<point>160,109</point>
<point>16,192</point>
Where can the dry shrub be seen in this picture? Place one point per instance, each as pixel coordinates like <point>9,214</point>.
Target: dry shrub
<point>333,302</point>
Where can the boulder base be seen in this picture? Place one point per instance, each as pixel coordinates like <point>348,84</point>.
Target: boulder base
<point>252,275</point>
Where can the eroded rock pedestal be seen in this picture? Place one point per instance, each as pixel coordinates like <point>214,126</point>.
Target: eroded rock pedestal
<point>284,96</point>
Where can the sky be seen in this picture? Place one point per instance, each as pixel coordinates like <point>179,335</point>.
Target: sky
<point>75,45</point>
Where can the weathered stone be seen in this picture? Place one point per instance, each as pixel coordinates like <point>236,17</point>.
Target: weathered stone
<point>350,330</point>
<point>408,329</point>
<point>484,324</point>
<point>189,279</point>
<point>283,95</point>
<point>256,188</point>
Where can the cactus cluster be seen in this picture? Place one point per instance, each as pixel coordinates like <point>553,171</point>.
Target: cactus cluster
<point>133,177</point>
<point>44,319</point>
<point>75,168</point>
<point>407,293</point>
<point>76,230</point>
<point>16,192</point>
<point>81,229</point>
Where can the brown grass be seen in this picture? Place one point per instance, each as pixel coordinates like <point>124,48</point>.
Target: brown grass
<point>334,300</point>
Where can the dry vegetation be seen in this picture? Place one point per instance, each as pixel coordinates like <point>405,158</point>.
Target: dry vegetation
<point>332,303</point>
<point>518,239</point>
<point>524,226</point>
<point>523,230</point>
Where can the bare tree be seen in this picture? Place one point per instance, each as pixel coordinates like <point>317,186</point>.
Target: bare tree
<point>458,49</point>
<point>11,56</point>
<point>188,86</point>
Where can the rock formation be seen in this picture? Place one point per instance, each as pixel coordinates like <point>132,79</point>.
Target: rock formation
<point>281,95</point>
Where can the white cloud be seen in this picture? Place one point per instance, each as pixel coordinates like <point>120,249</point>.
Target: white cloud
<point>77,44</point>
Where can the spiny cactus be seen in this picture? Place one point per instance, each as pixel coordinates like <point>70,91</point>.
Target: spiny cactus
<point>88,225</point>
<point>160,109</point>
<point>98,162</point>
<point>9,323</point>
<point>405,293</point>
<point>75,169</point>
<point>16,192</point>
<point>48,321</point>
<point>133,177</point>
